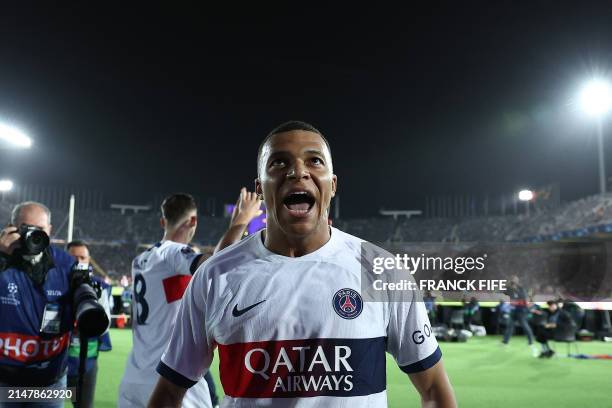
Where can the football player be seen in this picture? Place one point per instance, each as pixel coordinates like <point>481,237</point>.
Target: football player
<point>160,276</point>
<point>284,309</point>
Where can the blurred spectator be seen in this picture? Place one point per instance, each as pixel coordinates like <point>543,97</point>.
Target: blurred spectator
<point>430,305</point>
<point>552,317</point>
<point>502,315</point>
<point>469,310</point>
<point>518,299</point>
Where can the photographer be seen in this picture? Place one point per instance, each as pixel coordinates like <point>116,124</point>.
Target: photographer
<point>80,251</point>
<point>36,311</point>
<point>39,293</point>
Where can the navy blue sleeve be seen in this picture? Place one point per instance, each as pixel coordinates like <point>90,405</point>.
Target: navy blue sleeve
<point>424,364</point>
<point>174,377</point>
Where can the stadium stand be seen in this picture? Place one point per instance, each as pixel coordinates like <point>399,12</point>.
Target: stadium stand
<point>5,211</point>
<point>575,219</point>
<point>115,237</point>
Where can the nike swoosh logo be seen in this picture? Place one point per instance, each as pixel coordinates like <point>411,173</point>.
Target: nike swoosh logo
<point>237,312</point>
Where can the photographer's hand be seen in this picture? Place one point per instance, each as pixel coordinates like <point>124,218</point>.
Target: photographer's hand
<point>9,240</point>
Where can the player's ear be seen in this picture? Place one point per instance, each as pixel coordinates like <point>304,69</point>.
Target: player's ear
<point>162,223</point>
<point>334,185</point>
<point>258,189</point>
<point>193,221</point>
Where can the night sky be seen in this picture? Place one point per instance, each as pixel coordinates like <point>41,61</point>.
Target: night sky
<point>415,102</point>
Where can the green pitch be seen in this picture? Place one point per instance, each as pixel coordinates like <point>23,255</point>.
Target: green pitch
<point>483,373</point>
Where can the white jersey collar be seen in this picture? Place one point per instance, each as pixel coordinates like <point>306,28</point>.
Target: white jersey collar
<point>324,250</point>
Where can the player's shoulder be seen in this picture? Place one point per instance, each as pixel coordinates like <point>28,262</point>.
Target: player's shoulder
<point>149,250</point>
<point>345,244</point>
<point>344,240</point>
<point>169,248</point>
<point>165,249</point>
<point>356,247</point>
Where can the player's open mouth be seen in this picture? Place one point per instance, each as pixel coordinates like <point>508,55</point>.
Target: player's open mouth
<point>299,203</point>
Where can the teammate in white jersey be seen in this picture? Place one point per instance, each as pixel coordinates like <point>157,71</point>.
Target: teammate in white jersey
<point>283,306</point>
<point>161,275</point>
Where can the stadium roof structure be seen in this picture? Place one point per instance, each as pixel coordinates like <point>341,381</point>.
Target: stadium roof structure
<point>398,213</point>
<point>129,207</point>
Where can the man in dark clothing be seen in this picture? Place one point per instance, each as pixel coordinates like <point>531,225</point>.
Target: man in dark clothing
<point>469,310</point>
<point>545,331</point>
<point>80,251</point>
<point>518,300</point>
<point>553,317</point>
<point>35,305</point>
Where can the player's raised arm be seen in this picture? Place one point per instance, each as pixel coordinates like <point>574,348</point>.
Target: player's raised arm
<point>434,387</point>
<point>247,207</point>
<point>166,395</point>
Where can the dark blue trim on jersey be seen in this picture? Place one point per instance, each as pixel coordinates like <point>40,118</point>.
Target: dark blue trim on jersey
<point>194,265</point>
<point>157,245</point>
<point>369,363</point>
<point>174,377</point>
<point>424,364</point>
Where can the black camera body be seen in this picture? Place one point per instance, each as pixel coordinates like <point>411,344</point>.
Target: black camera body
<point>33,239</point>
<point>91,318</point>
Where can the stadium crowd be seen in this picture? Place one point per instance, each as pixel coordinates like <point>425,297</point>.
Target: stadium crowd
<point>116,237</point>
<point>573,216</point>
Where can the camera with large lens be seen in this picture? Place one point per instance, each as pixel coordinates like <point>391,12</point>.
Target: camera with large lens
<point>33,239</point>
<point>92,320</point>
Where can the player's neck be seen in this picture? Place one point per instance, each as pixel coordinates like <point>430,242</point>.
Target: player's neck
<point>176,236</point>
<point>294,246</point>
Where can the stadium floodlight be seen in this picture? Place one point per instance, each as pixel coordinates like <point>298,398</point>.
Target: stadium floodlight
<point>14,136</point>
<point>525,195</point>
<point>6,185</point>
<point>596,101</point>
<point>596,97</point>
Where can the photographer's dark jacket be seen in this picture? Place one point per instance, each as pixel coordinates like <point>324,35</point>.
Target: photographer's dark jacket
<point>27,356</point>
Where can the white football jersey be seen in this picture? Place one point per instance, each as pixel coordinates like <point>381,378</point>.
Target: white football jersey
<point>294,331</point>
<point>160,276</point>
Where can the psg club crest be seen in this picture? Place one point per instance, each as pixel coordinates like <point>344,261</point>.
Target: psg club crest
<point>347,303</point>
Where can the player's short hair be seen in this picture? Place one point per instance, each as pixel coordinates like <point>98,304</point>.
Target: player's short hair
<point>77,243</point>
<point>17,210</point>
<point>288,127</point>
<point>175,206</point>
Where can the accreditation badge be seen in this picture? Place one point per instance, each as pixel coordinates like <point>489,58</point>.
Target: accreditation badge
<point>51,320</point>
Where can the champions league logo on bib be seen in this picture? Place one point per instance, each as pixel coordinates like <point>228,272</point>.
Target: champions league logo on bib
<point>347,303</point>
